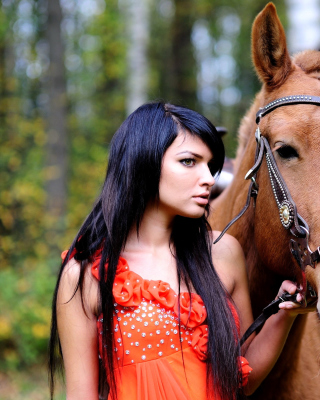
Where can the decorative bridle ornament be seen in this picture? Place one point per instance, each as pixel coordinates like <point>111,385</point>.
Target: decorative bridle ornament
<point>286,213</point>
<point>289,217</point>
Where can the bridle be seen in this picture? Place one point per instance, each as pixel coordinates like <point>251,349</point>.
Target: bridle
<point>289,216</point>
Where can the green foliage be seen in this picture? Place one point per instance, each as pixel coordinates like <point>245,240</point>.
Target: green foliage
<point>29,259</point>
<point>25,302</point>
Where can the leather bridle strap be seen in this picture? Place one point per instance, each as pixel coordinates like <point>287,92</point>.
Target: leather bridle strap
<point>286,101</point>
<point>252,191</point>
<point>269,310</point>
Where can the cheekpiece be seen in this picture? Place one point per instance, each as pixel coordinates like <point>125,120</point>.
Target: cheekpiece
<point>286,211</point>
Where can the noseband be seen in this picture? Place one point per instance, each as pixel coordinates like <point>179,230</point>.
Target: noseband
<point>289,216</point>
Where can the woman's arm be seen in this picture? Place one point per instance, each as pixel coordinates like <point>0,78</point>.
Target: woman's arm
<point>78,334</point>
<point>263,350</point>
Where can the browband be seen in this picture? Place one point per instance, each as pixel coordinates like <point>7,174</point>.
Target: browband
<point>286,101</point>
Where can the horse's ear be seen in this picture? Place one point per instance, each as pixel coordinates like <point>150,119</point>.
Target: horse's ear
<point>269,48</point>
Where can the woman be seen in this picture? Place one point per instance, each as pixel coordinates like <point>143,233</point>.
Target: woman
<point>142,269</point>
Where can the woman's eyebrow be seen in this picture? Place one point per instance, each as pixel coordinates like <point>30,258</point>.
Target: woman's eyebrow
<point>190,152</point>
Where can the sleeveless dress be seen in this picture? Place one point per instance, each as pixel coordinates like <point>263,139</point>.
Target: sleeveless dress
<point>152,362</point>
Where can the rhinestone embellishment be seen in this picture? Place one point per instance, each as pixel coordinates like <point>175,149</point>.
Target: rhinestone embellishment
<point>148,320</point>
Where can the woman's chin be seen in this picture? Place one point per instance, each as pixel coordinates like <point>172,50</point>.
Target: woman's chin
<point>194,213</point>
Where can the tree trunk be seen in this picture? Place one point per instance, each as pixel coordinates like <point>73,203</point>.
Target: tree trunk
<point>138,37</point>
<point>183,64</point>
<point>56,151</point>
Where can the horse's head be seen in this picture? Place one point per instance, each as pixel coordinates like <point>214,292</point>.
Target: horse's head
<point>293,133</point>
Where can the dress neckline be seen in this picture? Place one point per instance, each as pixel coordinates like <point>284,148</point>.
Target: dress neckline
<point>123,266</point>
<point>160,281</point>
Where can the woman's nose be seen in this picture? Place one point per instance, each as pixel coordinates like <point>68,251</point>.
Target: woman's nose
<point>207,178</point>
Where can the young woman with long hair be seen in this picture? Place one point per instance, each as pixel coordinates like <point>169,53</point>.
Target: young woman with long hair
<point>145,306</point>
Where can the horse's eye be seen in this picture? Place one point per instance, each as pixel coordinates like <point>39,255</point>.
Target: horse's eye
<point>287,152</point>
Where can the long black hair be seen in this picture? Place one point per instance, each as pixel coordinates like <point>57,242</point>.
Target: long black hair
<point>131,183</point>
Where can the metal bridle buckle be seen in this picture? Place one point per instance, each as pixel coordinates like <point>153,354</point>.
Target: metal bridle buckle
<point>315,256</point>
<point>258,134</point>
<point>255,185</point>
<point>312,292</point>
<point>301,251</point>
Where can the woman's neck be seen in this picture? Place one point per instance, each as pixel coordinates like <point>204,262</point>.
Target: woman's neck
<point>154,232</point>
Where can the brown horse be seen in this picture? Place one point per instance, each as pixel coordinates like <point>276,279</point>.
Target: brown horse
<point>293,133</point>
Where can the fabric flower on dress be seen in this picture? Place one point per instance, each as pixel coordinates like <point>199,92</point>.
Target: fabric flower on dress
<point>65,252</point>
<point>191,315</point>
<point>199,341</point>
<point>121,267</point>
<point>127,289</point>
<point>162,293</point>
<point>244,369</point>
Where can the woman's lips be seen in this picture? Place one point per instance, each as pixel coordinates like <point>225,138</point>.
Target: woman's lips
<point>202,199</point>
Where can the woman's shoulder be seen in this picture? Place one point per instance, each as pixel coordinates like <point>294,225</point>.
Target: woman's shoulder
<point>228,260</point>
<point>69,277</point>
<point>70,282</point>
<point>227,247</point>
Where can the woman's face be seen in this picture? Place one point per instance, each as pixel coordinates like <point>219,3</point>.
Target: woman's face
<point>185,180</point>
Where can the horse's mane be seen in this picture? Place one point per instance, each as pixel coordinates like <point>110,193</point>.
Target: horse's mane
<point>309,62</point>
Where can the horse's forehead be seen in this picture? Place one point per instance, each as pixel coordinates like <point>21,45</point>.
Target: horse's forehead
<point>299,122</point>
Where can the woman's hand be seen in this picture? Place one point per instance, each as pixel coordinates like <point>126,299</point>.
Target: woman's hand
<point>297,307</point>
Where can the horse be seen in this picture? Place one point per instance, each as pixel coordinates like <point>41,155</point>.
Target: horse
<point>293,133</point>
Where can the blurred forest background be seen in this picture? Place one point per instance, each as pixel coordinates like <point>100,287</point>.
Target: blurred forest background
<point>70,72</point>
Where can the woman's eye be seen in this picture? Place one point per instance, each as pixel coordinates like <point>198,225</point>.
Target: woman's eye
<point>287,152</point>
<point>188,162</point>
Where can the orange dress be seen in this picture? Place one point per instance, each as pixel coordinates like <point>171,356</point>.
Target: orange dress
<point>151,361</point>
